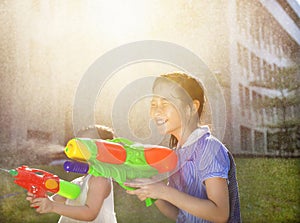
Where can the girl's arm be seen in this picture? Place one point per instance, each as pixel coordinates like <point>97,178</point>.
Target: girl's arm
<point>55,197</point>
<point>215,208</point>
<point>99,189</point>
<point>58,198</point>
<point>167,209</point>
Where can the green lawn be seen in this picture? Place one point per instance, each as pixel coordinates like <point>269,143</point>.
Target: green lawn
<point>269,189</point>
<point>269,192</point>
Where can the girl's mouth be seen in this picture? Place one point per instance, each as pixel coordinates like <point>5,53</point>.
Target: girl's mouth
<point>160,122</point>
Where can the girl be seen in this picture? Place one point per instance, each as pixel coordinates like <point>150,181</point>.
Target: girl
<point>95,202</point>
<point>204,188</point>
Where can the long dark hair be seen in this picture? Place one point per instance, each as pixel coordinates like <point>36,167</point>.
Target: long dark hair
<point>193,88</point>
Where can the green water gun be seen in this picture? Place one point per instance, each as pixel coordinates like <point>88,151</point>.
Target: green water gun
<point>120,159</point>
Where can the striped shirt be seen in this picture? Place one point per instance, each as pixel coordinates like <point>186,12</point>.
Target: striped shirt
<point>200,158</point>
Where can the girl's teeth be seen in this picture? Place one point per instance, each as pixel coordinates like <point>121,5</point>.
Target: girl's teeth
<point>161,122</point>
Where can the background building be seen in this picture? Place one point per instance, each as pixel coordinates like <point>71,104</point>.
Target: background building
<point>265,39</point>
<point>46,47</point>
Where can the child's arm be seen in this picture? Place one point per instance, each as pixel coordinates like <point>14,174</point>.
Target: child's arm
<point>55,197</point>
<point>58,198</point>
<point>167,209</point>
<point>215,208</point>
<point>99,189</point>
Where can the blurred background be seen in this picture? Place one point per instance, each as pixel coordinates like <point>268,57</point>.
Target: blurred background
<point>252,47</point>
<point>47,46</point>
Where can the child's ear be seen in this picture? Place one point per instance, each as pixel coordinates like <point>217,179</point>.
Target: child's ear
<point>196,105</point>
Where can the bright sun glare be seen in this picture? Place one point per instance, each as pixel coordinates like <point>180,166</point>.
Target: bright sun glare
<point>119,19</point>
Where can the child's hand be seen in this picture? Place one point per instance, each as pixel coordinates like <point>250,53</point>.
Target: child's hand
<point>145,190</point>
<point>42,204</point>
<point>29,197</point>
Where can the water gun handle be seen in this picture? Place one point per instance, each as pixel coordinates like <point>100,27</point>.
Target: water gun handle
<point>37,187</point>
<point>149,201</point>
<point>37,191</point>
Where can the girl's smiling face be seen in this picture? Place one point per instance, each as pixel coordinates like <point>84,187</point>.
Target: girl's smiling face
<point>165,115</point>
<point>167,108</point>
<point>176,106</point>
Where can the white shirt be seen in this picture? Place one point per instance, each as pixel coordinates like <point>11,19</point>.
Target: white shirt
<point>107,212</point>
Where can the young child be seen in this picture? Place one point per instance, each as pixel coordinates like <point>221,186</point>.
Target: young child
<point>204,188</point>
<point>95,202</point>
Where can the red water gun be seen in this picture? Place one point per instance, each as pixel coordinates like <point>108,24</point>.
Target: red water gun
<point>39,182</point>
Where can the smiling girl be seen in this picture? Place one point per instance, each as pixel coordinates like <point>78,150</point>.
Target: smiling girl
<point>204,188</point>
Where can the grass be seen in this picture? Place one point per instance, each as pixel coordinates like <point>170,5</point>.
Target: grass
<point>14,207</point>
<point>269,192</point>
<point>269,189</point>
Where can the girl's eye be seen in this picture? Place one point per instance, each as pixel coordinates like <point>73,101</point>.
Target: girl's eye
<point>162,104</point>
<point>153,105</point>
<point>165,103</point>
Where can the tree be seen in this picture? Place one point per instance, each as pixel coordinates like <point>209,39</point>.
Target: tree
<point>284,129</point>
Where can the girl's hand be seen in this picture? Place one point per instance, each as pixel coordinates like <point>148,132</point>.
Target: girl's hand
<point>42,204</point>
<point>145,189</point>
<point>29,197</point>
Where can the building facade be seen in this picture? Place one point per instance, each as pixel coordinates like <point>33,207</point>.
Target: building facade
<point>48,45</point>
<point>265,38</point>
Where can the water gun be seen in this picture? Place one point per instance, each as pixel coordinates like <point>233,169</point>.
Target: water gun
<point>39,182</point>
<point>120,159</point>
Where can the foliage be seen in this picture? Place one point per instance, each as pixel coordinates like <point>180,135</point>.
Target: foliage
<point>284,79</point>
<point>284,130</point>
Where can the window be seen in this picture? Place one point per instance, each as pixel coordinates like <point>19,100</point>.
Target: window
<point>246,143</point>
<point>261,110</point>
<point>242,55</point>
<point>242,100</point>
<point>255,66</point>
<point>255,104</point>
<point>269,111</point>
<point>258,141</point>
<point>247,102</point>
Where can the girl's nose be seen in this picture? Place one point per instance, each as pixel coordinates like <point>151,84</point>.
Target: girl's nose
<point>156,111</point>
